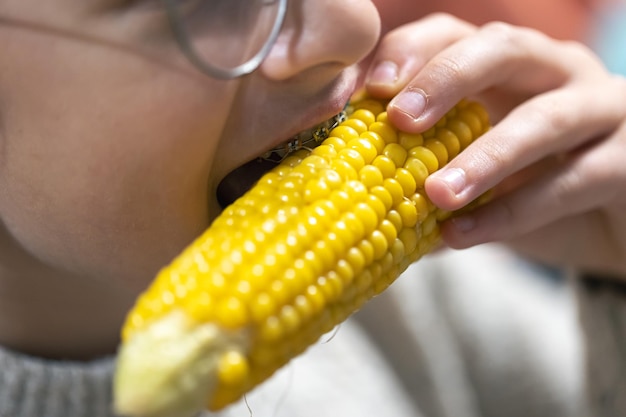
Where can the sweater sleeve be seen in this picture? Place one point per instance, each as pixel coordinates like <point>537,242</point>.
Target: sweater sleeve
<point>603,317</point>
<point>32,387</point>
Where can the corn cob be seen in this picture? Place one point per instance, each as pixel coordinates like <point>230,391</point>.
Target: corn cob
<point>308,245</point>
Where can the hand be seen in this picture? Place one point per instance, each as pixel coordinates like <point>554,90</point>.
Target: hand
<point>555,157</point>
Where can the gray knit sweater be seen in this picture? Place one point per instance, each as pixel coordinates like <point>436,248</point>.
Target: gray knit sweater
<point>461,334</point>
<point>32,387</point>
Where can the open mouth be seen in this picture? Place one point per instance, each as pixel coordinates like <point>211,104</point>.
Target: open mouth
<point>241,179</point>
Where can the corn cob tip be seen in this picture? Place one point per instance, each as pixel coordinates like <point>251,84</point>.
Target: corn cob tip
<point>167,370</point>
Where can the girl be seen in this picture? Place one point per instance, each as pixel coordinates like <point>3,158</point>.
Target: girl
<point>114,142</point>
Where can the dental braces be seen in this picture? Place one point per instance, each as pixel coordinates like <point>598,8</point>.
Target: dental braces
<point>307,139</point>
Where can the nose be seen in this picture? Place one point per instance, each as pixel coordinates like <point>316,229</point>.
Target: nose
<point>323,33</point>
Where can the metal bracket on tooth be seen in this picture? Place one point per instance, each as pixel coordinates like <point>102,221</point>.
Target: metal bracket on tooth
<point>306,139</point>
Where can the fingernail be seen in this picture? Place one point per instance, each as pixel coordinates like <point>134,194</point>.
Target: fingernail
<point>454,179</point>
<point>410,102</point>
<point>465,223</point>
<point>384,73</point>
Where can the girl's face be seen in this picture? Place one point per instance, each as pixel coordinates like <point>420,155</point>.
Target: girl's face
<point>112,144</point>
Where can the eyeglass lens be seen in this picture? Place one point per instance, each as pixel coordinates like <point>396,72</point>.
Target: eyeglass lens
<point>227,33</point>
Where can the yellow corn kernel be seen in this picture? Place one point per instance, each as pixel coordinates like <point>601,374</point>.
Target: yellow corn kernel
<point>317,237</point>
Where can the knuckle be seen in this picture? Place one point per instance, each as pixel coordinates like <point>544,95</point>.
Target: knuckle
<point>514,38</point>
<point>551,113</point>
<point>493,154</point>
<point>498,27</point>
<point>444,19</point>
<point>582,54</point>
<point>496,160</point>
<point>566,187</point>
<point>394,37</point>
<point>501,32</point>
<point>440,21</point>
<point>577,49</point>
<point>587,182</point>
<point>506,213</point>
<point>449,70</point>
<point>487,159</point>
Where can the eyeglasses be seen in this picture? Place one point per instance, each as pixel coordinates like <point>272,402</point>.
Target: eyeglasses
<point>226,39</point>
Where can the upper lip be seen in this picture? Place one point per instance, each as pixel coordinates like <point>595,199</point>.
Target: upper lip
<point>343,89</point>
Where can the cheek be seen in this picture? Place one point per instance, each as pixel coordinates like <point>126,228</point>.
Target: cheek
<point>109,179</point>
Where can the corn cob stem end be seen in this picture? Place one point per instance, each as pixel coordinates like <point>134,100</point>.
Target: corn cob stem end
<point>167,370</point>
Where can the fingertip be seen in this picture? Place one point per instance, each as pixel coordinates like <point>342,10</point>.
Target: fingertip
<point>445,188</point>
<point>407,108</point>
<point>459,232</point>
<point>382,78</point>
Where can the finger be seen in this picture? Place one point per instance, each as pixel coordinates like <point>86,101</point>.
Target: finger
<point>586,180</point>
<point>550,124</point>
<point>498,55</point>
<point>404,51</point>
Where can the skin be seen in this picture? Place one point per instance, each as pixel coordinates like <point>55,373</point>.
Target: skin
<point>112,144</point>
<point>553,158</point>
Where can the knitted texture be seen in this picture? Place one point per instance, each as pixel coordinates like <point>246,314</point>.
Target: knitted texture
<point>30,387</point>
<point>603,312</point>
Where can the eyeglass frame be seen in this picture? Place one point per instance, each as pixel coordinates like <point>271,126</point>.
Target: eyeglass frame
<point>182,38</point>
